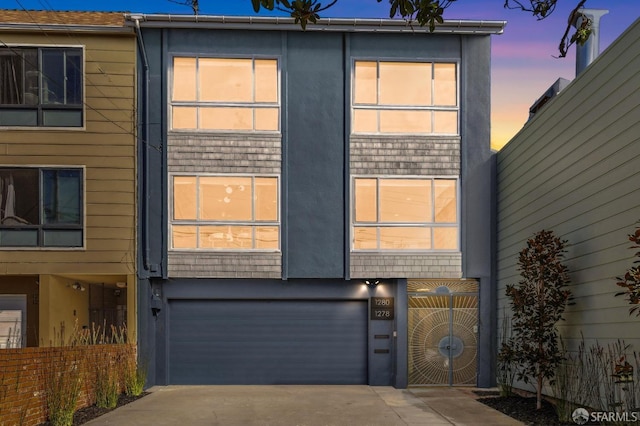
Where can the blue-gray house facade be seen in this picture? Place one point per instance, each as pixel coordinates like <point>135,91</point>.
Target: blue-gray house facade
<point>316,206</point>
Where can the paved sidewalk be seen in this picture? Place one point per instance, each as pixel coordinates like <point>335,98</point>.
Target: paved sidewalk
<point>282,405</point>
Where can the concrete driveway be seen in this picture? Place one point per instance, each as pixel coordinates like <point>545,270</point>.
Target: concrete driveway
<point>304,406</point>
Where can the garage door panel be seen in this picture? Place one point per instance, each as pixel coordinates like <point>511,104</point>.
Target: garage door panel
<point>267,342</point>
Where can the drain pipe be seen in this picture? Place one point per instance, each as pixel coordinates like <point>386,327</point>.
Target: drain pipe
<point>146,152</point>
<point>590,50</point>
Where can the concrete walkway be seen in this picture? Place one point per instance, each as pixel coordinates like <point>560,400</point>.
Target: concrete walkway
<point>304,406</point>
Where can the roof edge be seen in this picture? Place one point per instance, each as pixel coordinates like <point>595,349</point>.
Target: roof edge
<point>479,27</point>
<point>11,26</point>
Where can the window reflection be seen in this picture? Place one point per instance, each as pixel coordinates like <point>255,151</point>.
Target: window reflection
<point>225,212</point>
<point>405,214</point>
<point>41,207</point>
<point>405,97</point>
<point>405,200</point>
<point>236,94</point>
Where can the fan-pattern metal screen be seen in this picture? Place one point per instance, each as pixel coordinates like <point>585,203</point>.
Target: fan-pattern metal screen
<point>443,336</point>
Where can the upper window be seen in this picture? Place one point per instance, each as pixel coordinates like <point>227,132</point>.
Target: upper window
<point>41,207</point>
<point>233,94</point>
<point>41,86</point>
<point>225,212</point>
<point>405,97</point>
<point>405,214</point>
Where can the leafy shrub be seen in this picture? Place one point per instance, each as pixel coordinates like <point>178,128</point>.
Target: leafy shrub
<point>537,304</point>
<point>63,383</point>
<point>135,374</point>
<point>107,386</point>
<point>631,279</point>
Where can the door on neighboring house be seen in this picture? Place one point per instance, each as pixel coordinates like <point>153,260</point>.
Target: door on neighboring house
<point>13,321</point>
<point>107,307</point>
<point>443,332</point>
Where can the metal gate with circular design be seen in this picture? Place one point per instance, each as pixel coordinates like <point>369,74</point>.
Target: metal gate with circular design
<point>443,332</point>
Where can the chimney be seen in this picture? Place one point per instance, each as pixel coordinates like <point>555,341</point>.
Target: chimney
<point>590,50</point>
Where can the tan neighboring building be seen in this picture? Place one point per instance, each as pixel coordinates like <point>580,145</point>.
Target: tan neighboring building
<point>67,174</point>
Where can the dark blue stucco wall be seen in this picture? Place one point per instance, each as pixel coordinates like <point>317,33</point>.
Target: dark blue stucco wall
<point>315,92</point>
<point>477,193</point>
<point>314,161</point>
<point>315,178</point>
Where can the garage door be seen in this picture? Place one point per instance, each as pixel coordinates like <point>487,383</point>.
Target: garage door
<point>267,342</point>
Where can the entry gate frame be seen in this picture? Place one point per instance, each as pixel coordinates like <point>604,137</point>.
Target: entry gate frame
<point>445,290</point>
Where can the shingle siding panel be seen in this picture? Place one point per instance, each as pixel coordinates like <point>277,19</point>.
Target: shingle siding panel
<point>369,265</point>
<point>210,153</point>
<point>226,265</point>
<point>404,155</point>
<point>213,153</point>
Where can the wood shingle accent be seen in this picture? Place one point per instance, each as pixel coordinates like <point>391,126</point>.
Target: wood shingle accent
<point>66,18</point>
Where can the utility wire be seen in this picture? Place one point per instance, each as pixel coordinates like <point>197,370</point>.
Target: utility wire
<point>71,35</point>
<point>132,120</point>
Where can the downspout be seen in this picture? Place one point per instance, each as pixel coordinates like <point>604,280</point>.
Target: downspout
<point>146,152</point>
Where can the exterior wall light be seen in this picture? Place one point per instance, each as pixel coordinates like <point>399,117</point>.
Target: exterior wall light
<point>77,286</point>
<point>371,282</point>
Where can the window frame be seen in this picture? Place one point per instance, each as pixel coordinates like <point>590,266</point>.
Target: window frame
<point>198,104</point>
<point>380,224</point>
<point>384,107</point>
<point>40,106</point>
<point>253,223</point>
<point>41,226</point>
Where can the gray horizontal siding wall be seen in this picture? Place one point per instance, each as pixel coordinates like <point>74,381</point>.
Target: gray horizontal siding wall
<point>574,169</point>
<point>404,155</point>
<point>224,153</point>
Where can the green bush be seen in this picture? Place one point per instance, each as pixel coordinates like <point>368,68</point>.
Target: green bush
<point>63,383</point>
<point>107,386</point>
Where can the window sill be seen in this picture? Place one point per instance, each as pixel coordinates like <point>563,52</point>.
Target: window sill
<point>409,135</point>
<point>225,132</point>
<point>43,248</point>
<point>412,252</point>
<point>43,128</point>
<point>225,252</point>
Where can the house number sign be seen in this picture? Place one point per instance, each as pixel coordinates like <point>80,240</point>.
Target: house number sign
<point>382,308</point>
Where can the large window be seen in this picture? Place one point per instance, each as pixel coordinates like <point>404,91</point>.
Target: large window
<point>225,212</point>
<point>405,214</point>
<point>405,97</point>
<point>233,94</point>
<point>41,207</point>
<point>41,86</point>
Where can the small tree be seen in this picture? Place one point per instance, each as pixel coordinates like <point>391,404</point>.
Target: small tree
<point>537,304</point>
<point>631,279</point>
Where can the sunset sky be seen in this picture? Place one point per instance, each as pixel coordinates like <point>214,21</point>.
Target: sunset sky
<point>523,62</point>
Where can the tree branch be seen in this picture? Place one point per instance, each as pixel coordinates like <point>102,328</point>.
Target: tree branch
<point>585,30</point>
<point>424,12</point>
